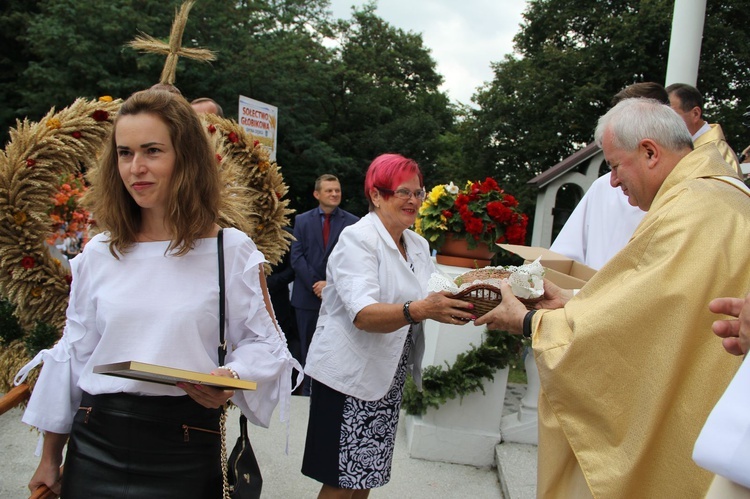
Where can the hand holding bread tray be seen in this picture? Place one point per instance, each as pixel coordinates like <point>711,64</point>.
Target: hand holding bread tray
<point>481,287</point>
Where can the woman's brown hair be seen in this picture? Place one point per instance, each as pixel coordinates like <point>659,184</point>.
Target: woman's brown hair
<point>193,204</point>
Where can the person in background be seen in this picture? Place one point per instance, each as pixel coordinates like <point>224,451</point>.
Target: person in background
<point>603,221</point>
<point>315,232</point>
<point>687,101</point>
<point>205,105</point>
<point>370,333</point>
<point>147,289</point>
<point>627,368</point>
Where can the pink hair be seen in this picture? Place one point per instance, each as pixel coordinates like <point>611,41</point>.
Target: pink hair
<point>387,171</point>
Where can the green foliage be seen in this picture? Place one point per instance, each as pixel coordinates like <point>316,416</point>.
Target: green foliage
<point>350,89</point>
<point>41,337</point>
<point>347,90</point>
<point>10,329</point>
<point>385,99</point>
<point>15,16</point>
<point>572,57</point>
<point>467,374</point>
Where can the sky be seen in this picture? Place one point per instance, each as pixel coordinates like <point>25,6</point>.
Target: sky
<point>464,36</point>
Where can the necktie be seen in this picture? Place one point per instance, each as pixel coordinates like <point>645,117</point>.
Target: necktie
<point>326,229</point>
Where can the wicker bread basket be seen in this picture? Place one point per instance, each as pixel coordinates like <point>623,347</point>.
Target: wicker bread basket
<point>483,296</point>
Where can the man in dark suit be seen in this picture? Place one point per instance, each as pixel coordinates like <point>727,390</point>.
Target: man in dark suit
<point>316,232</point>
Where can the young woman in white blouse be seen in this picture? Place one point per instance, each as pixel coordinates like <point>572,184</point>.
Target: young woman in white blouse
<point>369,334</point>
<point>146,289</point>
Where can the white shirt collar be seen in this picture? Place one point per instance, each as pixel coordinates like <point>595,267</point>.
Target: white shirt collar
<point>706,127</point>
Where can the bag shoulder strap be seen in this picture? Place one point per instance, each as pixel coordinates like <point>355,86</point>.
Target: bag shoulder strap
<point>222,341</point>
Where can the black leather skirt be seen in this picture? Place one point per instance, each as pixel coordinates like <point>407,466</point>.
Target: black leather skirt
<point>128,446</point>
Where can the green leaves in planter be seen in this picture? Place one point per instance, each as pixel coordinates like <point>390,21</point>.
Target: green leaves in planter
<point>467,374</point>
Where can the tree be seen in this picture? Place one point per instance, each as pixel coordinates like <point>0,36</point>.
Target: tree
<point>574,56</point>
<point>374,90</point>
<point>14,56</point>
<point>385,98</point>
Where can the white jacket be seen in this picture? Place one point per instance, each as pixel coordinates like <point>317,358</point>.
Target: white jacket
<point>365,268</point>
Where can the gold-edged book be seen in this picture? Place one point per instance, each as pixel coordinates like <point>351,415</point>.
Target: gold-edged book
<point>169,375</point>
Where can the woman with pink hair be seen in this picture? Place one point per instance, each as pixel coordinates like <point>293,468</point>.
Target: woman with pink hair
<point>370,333</point>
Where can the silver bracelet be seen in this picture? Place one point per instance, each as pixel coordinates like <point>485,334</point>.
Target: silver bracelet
<point>231,371</point>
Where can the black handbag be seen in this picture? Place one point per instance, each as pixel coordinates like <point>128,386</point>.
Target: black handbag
<point>242,477</point>
<point>243,474</point>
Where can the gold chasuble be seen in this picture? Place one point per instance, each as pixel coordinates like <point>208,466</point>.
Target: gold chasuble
<point>716,135</point>
<point>629,368</point>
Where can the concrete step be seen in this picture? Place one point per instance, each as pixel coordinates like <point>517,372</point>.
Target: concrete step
<point>516,470</point>
<point>516,463</point>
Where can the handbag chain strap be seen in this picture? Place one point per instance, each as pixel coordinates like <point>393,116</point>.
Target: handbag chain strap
<point>224,460</point>
<point>222,356</point>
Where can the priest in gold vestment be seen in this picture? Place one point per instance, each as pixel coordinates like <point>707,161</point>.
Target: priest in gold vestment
<point>687,101</point>
<point>629,367</point>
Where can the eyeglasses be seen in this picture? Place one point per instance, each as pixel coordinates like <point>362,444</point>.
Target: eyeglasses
<point>403,193</point>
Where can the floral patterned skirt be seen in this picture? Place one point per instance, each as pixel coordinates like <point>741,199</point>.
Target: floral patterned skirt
<point>350,441</point>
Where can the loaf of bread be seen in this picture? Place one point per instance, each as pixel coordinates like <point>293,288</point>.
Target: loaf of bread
<point>482,274</point>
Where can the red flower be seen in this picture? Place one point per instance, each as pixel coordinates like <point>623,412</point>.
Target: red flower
<point>211,129</point>
<point>30,162</point>
<point>76,134</point>
<point>465,213</point>
<point>100,115</point>
<point>255,143</point>
<point>474,226</point>
<point>485,187</point>
<point>218,158</point>
<point>516,234</point>
<point>28,262</point>
<point>510,201</point>
<point>447,214</point>
<point>499,212</point>
<point>462,200</point>
<point>233,138</point>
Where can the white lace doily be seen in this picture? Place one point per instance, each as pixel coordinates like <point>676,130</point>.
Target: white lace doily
<point>526,281</point>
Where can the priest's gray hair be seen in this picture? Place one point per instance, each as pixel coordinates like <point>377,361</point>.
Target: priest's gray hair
<point>633,120</point>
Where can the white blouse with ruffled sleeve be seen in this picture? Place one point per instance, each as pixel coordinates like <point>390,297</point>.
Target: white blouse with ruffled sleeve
<point>151,306</point>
